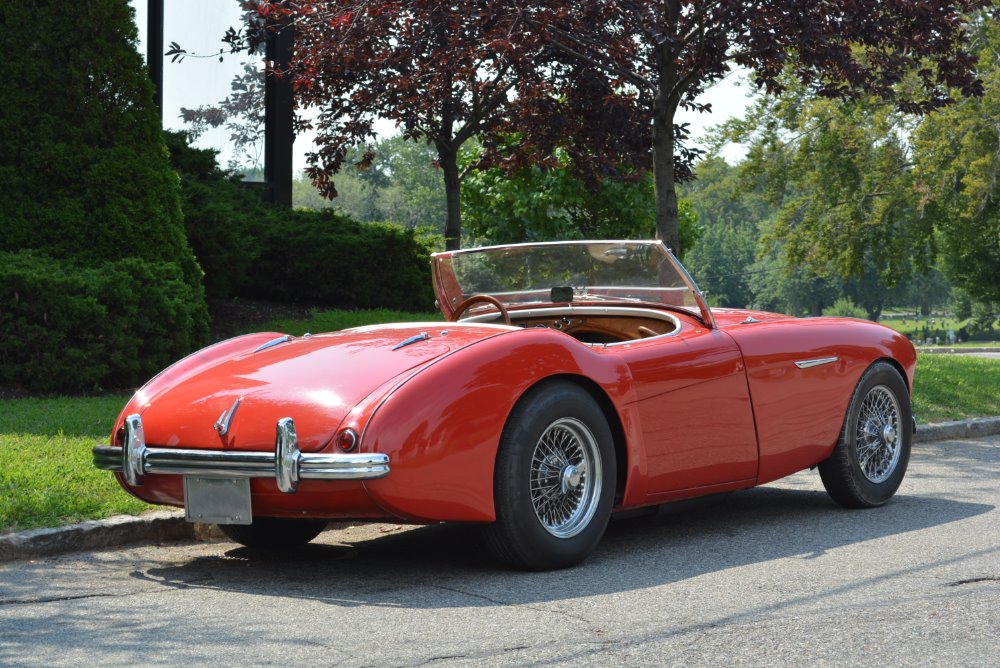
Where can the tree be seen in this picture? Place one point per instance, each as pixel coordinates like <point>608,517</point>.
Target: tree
<point>401,185</point>
<point>666,53</point>
<point>242,112</point>
<point>846,171</point>
<point>730,212</point>
<point>444,73</point>
<point>542,203</point>
<point>957,155</point>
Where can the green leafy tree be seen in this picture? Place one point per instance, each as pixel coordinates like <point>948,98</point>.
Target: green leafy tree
<point>961,304</point>
<point>840,176</point>
<point>794,290</point>
<point>401,185</point>
<point>541,203</point>
<point>927,292</point>
<point>957,155</point>
<point>729,213</point>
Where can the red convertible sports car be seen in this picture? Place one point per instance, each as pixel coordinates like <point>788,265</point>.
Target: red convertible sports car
<point>573,380</point>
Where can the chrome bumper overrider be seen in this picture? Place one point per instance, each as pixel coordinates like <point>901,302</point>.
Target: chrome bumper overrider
<point>286,464</point>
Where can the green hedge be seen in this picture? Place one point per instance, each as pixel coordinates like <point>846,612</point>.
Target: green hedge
<point>324,259</point>
<point>223,218</point>
<point>258,250</point>
<point>67,328</point>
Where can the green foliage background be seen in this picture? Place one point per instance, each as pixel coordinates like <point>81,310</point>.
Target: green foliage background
<point>84,173</point>
<point>98,286</point>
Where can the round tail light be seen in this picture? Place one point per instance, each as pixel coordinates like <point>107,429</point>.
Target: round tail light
<point>347,440</point>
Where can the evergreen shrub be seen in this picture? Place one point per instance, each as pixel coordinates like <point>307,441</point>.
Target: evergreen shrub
<point>79,329</point>
<point>99,286</point>
<point>223,218</point>
<point>323,259</point>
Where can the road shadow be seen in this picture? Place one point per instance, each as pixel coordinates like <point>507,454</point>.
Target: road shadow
<point>445,566</point>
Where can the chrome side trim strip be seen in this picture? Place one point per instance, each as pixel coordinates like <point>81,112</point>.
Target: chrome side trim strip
<point>808,364</point>
<point>287,464</point>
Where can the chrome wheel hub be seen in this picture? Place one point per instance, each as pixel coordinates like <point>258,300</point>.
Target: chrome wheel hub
<point>565,477</point>
<point>877,435</point>
<point>572,476</point>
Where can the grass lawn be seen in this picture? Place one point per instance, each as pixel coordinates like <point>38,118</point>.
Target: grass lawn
<point>47,478</point>
<point>46,475</point>
<point>953,387</point>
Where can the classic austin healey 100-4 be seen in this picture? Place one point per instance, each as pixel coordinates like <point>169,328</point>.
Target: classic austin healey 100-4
<point>572,380</point>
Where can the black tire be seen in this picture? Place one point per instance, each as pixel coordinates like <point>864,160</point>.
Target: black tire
<point>869,462</point>
<point>274,532</point>
<point>557,442</point>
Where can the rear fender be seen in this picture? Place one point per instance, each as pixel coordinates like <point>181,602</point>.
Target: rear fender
<point>441,428</point>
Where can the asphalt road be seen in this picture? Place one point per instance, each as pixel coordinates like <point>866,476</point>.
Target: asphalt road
<point>771,576</point>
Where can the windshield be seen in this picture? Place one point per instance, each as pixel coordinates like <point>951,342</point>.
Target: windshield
<point>566,271</point>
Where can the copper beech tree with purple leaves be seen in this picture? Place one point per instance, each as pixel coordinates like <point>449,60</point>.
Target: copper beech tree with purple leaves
<point>667,52</point>
<point>443,72</point>
<point>604,77</point>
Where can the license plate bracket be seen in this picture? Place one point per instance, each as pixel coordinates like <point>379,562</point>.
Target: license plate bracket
<point>217,500</point>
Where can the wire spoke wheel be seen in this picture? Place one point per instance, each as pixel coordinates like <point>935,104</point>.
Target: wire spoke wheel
<point>877,435</point>
<point>869,461</point>
<point>565,478</point>
<point>554,481</point>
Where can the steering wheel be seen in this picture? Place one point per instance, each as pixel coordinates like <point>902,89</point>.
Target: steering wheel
<point>475,299</point>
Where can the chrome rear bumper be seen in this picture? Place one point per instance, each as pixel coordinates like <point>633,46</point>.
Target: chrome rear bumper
<point>286,464</point>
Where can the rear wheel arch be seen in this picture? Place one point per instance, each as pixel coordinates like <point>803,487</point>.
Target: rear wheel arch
<point>610,415</point>
<point>554,478</point>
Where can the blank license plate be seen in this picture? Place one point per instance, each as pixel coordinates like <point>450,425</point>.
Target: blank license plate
<point>217,500</point>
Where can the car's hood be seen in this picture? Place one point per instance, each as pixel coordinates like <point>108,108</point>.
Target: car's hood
<point>315,380</point>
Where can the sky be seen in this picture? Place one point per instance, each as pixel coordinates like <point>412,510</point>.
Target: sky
<point>198,81</point>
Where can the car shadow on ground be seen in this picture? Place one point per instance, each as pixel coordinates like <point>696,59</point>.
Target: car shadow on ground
<point>445,566</point>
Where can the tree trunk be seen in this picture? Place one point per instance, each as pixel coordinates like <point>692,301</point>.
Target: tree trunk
<point>664,108</point>
<point>663,181</point>
<point>448,159</point>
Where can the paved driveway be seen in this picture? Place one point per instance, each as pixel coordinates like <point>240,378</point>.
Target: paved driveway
<point>772,576</point>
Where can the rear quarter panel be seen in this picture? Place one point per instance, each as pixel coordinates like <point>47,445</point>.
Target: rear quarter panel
<point>800,412</point>
<point>442,427</point>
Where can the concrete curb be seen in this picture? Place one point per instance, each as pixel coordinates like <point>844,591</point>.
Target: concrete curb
<point>945,350</point>
<point>170,525</point>
<point>155,527</point>
<point>940,431</point>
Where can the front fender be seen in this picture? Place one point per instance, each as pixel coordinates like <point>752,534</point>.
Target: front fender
<point>441,428</point>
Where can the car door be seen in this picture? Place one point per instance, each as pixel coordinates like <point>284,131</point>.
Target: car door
<point>696,418</point>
